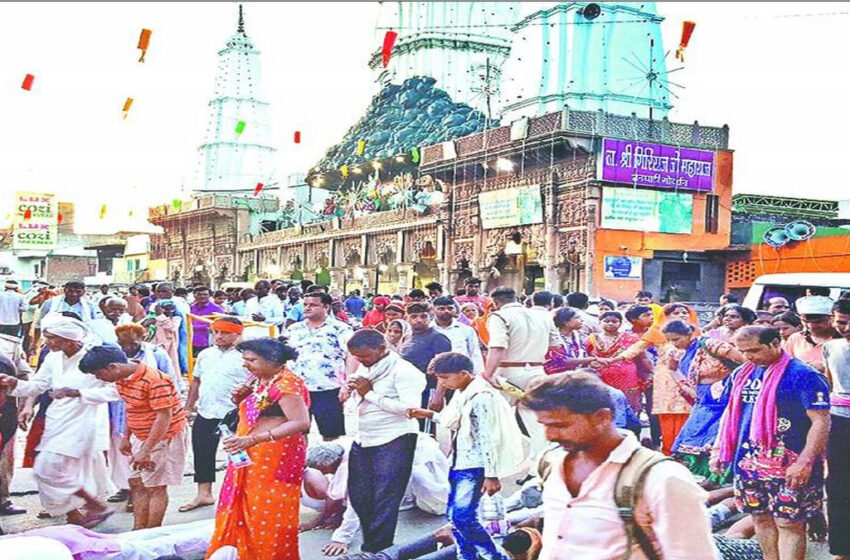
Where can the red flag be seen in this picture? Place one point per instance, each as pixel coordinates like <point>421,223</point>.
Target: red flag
<point>258,188</point>
<point>297,136</point>
<point>28,80</point>
<point>389,41</point>
<point>28,214</point>
<point>687,31</point>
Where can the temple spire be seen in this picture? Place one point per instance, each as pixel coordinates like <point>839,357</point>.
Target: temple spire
<point>241,28</point>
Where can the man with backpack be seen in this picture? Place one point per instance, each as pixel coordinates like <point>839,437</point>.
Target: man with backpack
<point>605,496</point>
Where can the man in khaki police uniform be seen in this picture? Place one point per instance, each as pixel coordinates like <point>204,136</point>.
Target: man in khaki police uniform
<point>11,348</point>
<point>519,340</point>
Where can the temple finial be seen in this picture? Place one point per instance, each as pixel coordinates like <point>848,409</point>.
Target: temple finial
<point>241,28</point>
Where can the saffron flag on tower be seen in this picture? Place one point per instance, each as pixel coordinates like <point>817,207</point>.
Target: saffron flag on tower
<point>144,41</point>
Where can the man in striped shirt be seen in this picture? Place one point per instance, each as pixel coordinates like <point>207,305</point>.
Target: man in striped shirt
<point>155,437</point>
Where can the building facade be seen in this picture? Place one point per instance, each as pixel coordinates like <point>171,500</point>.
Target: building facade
<point>533,205</point>
<point>201,235</point>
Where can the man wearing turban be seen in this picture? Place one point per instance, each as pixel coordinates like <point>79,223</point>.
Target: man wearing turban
<point>70,468</point>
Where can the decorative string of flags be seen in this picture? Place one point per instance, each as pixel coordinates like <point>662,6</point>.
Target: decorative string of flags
<point>127,105</point>
<point>28,80</point>
<point>687,31</point>
<point>389,41</point>
<point>144,41</point>
<point>258,188</point>
<point>297,137</point>
<point>240,127</point>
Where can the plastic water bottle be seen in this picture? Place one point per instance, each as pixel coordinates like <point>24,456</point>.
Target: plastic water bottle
<point>493,515</point>
<point>240,458</point>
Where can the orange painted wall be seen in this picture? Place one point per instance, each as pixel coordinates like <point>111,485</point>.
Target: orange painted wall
<point>820,254</point>
<point>643,244</point>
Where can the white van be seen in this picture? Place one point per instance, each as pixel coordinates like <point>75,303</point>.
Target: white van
<point>792,286</point>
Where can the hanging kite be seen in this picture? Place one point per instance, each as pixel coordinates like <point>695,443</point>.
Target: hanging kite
<point>144,41</point>
<point>415,153</point>
<point>240,126</point>
<point>344,170</point>
<point>389,41</point>
<point>687,31</point>
<point>127,105</point>
<point>297,136</point>
<point>28,80</point>
<point>258,188</point>
<point>103,211</point>
<point>176,204</point>
<point>361,146</point>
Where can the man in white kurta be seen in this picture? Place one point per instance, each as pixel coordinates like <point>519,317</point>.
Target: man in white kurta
<point>70,468</point>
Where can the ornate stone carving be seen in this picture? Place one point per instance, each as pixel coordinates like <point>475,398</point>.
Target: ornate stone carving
<point>464,225</point>
<point>572,247</point>
<point>348,252</point>
<point>462,254</point>
<point>572,210</point>
<point>224,268</point>
<point>423,245</point>
<point>383,249</point>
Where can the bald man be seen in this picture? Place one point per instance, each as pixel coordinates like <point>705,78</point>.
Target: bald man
<point>114,314</point>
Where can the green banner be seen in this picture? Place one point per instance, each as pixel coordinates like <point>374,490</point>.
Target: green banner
<point>647,210</point>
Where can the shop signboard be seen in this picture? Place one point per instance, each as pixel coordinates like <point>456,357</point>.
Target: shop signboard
<point>623,268</point>
<point>36,221</point>
<point>517,206</point>
<point>656,165</point>
<point>646,210</point>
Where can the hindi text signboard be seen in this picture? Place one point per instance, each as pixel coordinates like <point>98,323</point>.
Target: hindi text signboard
<point>646,210</point>
<point>656,165</point>
<point>511,207</point>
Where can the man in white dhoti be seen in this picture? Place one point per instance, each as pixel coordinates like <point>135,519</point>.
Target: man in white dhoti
<point>70,468</point>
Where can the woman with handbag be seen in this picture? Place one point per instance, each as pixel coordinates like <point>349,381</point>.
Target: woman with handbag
<point>259,502</point>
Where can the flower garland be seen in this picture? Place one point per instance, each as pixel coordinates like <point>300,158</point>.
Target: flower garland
<point>261,392</point>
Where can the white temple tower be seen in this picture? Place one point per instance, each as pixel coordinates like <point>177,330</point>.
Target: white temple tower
<point>462,45</point>
<point>233,162</point>
<point>589,56</point>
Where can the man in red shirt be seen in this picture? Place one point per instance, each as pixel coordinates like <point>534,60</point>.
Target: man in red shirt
<point>156,429</point>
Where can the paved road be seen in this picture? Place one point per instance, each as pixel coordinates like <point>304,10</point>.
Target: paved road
<point>412,523</point>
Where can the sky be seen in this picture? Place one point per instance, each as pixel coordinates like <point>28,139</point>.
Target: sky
<point>774,72</point>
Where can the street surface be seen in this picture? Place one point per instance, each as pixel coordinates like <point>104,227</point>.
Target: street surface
<point>412,524</point>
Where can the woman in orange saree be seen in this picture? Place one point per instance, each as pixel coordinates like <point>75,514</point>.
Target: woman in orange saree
<point>258,507</point>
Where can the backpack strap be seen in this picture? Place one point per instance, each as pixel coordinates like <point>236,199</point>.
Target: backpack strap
<point>628,490</point>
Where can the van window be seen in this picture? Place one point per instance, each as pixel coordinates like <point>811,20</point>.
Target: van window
<point>791,293</point>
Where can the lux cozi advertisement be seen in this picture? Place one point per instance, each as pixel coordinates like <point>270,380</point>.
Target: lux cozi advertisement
<point>36,221</point>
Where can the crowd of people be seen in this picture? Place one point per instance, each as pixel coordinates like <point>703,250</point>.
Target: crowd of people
<point>541,426</point>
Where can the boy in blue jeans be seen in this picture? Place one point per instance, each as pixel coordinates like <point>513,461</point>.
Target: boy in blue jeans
<point>487,446</point>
